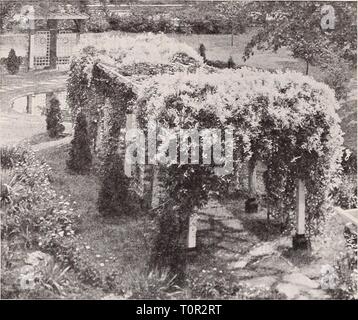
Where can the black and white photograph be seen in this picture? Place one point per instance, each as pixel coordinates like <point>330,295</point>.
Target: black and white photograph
<point>182,150</point>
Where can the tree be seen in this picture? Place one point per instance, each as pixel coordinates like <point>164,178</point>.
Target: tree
<point>54,119</point>
<point>297,26</point>
<point>234,12</point>
<point>13,62</point>
<point>80,157</point>
<point>337,74</point>
<point>6,12</point>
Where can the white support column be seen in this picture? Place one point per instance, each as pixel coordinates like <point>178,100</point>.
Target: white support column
<point>252,178</point>
<point>193,219</point>
<point>300,208</point>
<point>131,121</point>
<point>300,242</point>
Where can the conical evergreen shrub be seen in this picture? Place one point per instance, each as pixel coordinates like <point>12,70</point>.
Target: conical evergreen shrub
<point>54,124</point>
<point>80,157</point>
<point>13,62</point>
<point>113,197</point>
<point>202,51</point>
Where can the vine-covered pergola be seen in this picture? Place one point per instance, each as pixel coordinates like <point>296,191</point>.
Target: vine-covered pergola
<point>283,119</point>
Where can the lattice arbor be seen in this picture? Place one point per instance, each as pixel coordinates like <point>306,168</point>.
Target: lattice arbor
<point>50,47</point>
<point>285,120</point>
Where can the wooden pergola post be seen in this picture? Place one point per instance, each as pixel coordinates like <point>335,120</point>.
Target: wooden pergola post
<point>299,240</point>
<point>192,229</point>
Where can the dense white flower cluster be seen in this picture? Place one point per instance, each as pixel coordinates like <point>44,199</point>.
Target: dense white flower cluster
<point>285,119</point>
<point>289,99</point>
<point>227,92</point>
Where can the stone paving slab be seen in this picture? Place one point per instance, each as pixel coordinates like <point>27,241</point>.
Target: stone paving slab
<point>257,264</point>
<point>261,282</point>
<point>300,280</point>
<point>232,224</point>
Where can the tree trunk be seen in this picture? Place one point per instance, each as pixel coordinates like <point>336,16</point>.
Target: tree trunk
<point>232,33</point>
<point>307,66</point>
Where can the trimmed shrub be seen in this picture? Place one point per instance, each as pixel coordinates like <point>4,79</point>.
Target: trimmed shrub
<point>337,74</point>
<point>202,51</point>
<point>54,119</point>
<point>113,196</point>
<point>80,154</point>
<point>13,62</point>
<point>230,63</point>
<point>97,22</point>
<point>217,64</point>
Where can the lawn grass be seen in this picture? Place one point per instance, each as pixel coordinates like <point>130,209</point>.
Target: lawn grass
<point>118,244</point>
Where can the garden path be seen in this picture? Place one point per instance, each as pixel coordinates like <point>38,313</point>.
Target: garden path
<point>53,143</point>
<point>251,260</point>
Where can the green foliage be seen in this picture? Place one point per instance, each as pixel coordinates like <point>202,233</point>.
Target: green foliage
<point>341,279</point>
<point>235,15</point>
<point>54,124</point>
<point>98,22</point>
<point>34,214</point>
<point>80,157</point>
<point>349,162</point>
<point>13,62</point>
<point>156,54</point>
<point>216,284</point>
<point>113,195</point>
<point>337,73</point>
<point>297,26</point>
<point>194,19</point>
<point>34,217</point>
<point>345,195</point>
<point>154,284</point>
<point>12,155</point>
<point>286,120</point>
<point>6,11</point>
